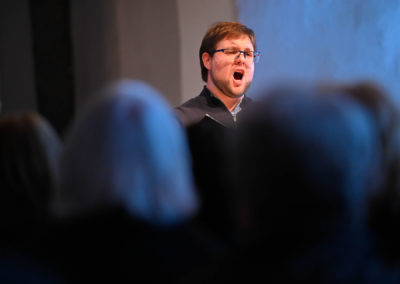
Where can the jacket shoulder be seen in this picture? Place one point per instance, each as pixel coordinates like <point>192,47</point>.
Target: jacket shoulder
<point>192,110</point>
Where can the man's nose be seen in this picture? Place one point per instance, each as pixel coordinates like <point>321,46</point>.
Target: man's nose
<point>240,58</point>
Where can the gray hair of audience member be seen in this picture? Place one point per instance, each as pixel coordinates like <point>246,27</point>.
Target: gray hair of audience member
<point>127,150</point>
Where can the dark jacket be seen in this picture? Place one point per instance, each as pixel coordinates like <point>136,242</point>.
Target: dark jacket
<point>206,105</point>
<point>209,125</point>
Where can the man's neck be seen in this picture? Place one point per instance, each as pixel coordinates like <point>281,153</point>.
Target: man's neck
<point>229,102</point>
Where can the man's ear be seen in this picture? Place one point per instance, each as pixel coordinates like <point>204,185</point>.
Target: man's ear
<point>206,57</point>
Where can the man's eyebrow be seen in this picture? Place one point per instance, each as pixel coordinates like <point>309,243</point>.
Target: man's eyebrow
<point>235,46</point>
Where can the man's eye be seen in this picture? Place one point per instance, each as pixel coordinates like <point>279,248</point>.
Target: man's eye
<point>248,53</point>
<point>231,51</point>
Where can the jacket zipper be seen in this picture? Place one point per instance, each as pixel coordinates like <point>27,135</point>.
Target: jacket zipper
<point>217,121</point>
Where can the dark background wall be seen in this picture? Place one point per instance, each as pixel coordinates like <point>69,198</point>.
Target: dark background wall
<point>125,39</point>
<point>53,60</point>
<point>17,80</point>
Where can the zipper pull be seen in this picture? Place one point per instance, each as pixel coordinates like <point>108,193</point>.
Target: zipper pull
<point>217,121</point>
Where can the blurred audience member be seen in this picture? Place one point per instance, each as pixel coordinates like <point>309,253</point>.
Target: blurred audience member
<point>127,149</point>
<point>126,193</point>
<point>306,166</point>
<point>29,149</point>
<point>385,207</point>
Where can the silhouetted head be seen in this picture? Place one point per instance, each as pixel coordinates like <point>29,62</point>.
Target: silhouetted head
<point>307,165</point>
<point>385,207</point>
<point>127,150</point>
<point>29,149</point>
<point>308,160</point>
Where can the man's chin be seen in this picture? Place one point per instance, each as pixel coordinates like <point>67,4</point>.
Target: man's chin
<point>232,91</point>
<point>238,96</point>
<point>234,95</point>
<point>238,92</point>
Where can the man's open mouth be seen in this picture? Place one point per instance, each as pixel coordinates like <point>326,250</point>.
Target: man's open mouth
<point>238,75</point>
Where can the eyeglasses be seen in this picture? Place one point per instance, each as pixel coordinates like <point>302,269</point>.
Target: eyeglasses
<point>250,56</point>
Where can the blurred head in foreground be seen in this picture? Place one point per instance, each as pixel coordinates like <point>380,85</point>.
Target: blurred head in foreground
<point>307,166</point>
<point>127,150</point>
<point>385,209</point>
<point>29,149</point>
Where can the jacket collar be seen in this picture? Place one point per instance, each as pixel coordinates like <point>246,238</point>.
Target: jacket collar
<point>213,100</point>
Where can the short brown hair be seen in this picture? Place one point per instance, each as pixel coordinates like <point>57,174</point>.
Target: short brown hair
<point>216,33</point>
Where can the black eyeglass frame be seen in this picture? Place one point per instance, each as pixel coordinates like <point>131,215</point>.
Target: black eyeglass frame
<point>256,54</point>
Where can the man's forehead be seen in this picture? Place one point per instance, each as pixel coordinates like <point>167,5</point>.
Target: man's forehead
<point>235,37</point>
<point>232,38</point>
<point>231,41</point>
